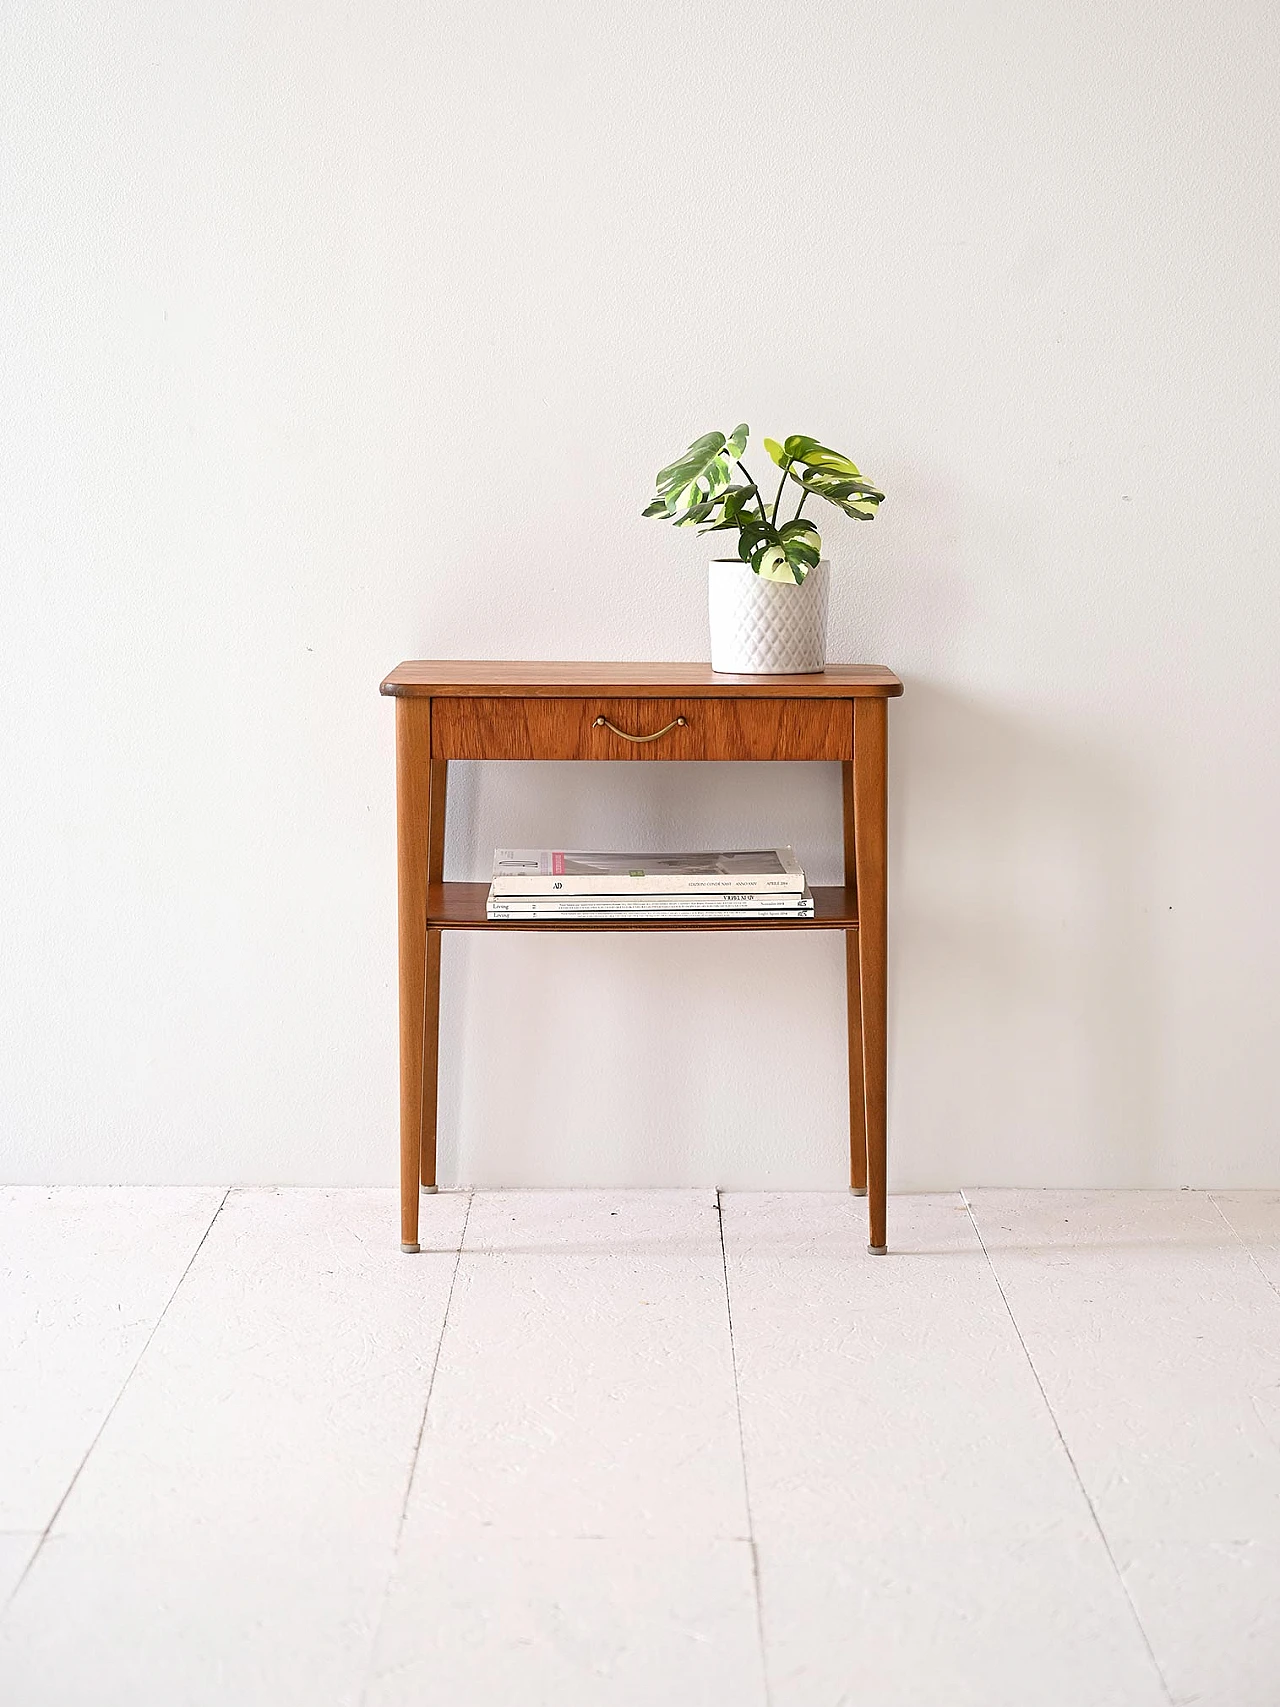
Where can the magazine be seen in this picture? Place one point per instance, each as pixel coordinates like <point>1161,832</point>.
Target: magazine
<point>551,872</point>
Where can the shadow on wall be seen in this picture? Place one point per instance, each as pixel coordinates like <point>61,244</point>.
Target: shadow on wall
<point>1026,999</point>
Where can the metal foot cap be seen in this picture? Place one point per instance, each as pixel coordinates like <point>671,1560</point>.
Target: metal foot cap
<point>431,1188</point>
<point>411,1250</point>
<point>878,1250</point>
<point>858,1190</point>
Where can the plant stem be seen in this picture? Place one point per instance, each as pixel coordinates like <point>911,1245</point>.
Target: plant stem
<point>800,506</point>
<point>751,482</point>
<point>781,488</point>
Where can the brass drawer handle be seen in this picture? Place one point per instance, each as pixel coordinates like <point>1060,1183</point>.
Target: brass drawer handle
<point>675,723</point>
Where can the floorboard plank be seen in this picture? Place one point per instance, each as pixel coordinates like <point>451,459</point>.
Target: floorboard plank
<point>920,1531</point>
<point>232,1534</point>
<point>85,1272</point>
<point>577,1528</point>
<point>586,1385</point>
<point>904,1368</point>
<point>1157,1341</point>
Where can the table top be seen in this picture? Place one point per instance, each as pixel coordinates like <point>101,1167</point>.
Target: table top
<point>525,680</point>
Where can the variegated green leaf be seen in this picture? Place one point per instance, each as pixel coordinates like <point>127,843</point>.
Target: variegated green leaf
<point>687,467</point>
<point>829,474</point>
<point>699,474</point>
<point>857,498</point>
<point>798,445</point>
<point>771,564</point>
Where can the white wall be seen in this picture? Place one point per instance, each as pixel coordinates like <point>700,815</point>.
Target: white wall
<point>338,334</point>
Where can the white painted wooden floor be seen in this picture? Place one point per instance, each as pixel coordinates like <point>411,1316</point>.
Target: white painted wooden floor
<point>639,1448</point>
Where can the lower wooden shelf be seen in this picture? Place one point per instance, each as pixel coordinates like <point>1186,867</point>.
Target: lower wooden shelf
<point>460,907</point>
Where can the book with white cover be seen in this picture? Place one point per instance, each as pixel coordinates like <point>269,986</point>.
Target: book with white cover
<point>652,907</point>
<point>549,871</point>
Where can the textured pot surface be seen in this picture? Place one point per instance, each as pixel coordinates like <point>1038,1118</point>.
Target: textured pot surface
<point>766,628</point>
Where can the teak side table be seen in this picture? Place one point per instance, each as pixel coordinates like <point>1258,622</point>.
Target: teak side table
<point>636,711</point>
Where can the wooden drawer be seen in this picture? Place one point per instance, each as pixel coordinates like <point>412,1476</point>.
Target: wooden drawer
<point>473,728</point>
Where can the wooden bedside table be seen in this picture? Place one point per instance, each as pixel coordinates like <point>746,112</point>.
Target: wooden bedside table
<point>636,711</point>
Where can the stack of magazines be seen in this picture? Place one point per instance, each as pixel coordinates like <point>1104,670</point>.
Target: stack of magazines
<point>544,883</point>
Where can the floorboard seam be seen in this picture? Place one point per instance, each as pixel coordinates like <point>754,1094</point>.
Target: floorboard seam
<point>742,1453</point>
<point>1062,1441</point>
<point>1235,1234</point>
<point>417,1452</point>
<point>111,1408</point>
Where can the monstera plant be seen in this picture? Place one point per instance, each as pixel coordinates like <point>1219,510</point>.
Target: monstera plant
<point>699,490</point>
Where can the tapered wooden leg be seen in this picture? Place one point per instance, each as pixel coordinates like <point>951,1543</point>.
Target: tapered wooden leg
<point>430,1062</point>
<point>431,1000</point>
<point>857,1094</point>
<point>870,814</point>
<point>853,987</point>
<point>413,756</point>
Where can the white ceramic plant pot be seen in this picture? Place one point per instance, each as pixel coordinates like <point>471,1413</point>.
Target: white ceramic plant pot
<point>767,628</point>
